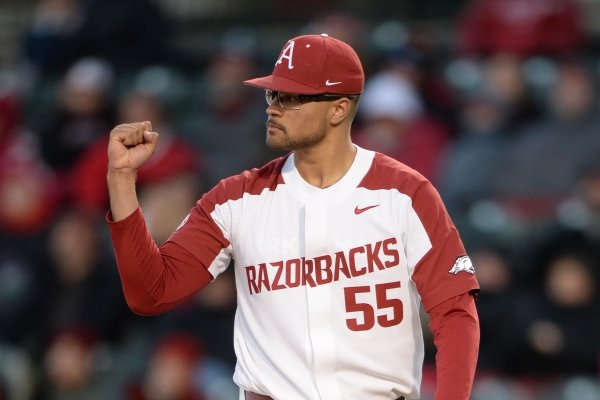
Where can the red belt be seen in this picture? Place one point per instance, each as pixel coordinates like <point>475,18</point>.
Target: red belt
<point>256,396</point>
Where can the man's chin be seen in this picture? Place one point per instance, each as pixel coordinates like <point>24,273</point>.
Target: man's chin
<point>278,146</point>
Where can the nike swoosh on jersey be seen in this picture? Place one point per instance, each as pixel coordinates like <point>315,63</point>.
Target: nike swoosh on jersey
<point>362,210</point>
<point>331,83</point>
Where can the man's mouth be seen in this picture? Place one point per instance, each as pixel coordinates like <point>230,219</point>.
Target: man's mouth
<point>272,125</point>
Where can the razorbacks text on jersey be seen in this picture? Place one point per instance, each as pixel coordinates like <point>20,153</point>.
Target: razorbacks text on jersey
<point>330,280</point>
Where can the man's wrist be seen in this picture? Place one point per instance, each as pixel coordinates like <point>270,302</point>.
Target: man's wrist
<point>122,193</point>
<point>121,173</point>
<point>119,178</point>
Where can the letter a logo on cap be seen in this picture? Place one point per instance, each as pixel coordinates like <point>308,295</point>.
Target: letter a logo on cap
<point>288,53</point>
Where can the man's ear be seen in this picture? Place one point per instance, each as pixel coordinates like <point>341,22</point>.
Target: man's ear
<point>341,110</point>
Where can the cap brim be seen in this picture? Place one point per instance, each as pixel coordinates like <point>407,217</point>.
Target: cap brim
<point>282,84</point>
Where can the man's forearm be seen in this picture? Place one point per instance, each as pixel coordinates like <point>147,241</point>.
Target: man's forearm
<point>122,192</point>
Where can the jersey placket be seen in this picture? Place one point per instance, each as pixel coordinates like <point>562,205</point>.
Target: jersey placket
<point>318,298</point>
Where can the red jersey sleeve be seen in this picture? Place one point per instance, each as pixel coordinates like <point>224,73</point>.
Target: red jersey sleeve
<point>154,279</point>
<point>455,327</point>
<point>445,270</point>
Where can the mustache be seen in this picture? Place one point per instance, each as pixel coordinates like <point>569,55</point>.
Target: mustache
<point>270,122</point>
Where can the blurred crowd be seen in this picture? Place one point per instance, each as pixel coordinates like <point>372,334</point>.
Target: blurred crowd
<point>501,112</point>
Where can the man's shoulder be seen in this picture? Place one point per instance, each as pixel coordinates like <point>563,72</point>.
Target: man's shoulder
<point>252,181</point>
<point>388,173</point>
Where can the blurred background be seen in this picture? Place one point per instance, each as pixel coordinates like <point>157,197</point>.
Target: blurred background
<point>495,101</point>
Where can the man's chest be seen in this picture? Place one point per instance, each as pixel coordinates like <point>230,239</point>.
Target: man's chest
<point>282,227</point>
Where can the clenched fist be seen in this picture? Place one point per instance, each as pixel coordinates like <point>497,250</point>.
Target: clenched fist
<point>130,146</point>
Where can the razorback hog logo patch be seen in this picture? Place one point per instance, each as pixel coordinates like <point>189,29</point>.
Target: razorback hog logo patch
<point>462,263</point>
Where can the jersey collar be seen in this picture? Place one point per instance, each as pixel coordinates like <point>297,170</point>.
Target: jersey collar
<point>339,190</point>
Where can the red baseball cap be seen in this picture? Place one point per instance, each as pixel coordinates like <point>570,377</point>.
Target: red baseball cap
<point>314,64</point>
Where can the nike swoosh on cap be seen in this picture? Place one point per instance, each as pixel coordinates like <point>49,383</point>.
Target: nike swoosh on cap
<point>331,83</point>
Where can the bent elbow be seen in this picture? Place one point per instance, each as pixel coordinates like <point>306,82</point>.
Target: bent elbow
<point>144,311</point>
<point>144,308</point>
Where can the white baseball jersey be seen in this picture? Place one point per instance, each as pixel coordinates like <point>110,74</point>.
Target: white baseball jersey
<point>330,280</point>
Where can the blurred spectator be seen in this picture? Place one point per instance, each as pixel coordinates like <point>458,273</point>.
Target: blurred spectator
<point>560,333</point>
<point>208,318</point>
<point>474,156</point>
<point>28,188</point>
<point>49,42</point>
<point>209,315</point>
<point>71,367</point>
<point>347,27</point>
<point>169,185</point>
<point>17,373</point>
<point>578,218</point>
<point>415,53</point>
<point>491,117</point>
<point>229,117</point>
<point>568,260</point>
<point>498,300</point>
<point>28,201</point>
<point>497,387</point>
<point>503,78</point>
<point>127,33</point>
<point>521,27</point>
<point>393,121</point>
<point>20,289</point>
<point>83,114</point>
<point>171,372</point>
<point>81,285</point>
<point>543,162</point>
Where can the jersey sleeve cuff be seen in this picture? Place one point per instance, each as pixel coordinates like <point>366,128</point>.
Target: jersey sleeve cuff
<point>125,222</point>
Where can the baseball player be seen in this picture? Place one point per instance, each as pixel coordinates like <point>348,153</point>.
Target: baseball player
<point>335,248</point>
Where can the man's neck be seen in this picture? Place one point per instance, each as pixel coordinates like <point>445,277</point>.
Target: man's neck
<point>323,166</point>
